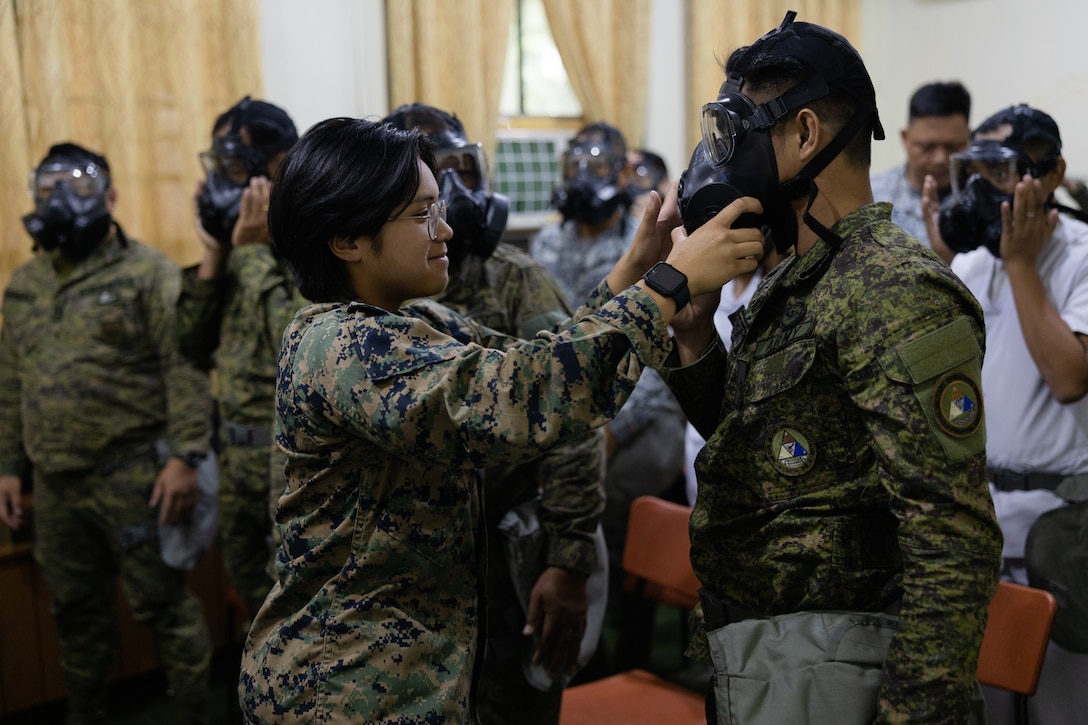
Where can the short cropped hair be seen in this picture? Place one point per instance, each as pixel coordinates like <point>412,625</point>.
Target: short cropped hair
<point>948,98</point>
<point>345,178</point>
<point>773,74</point>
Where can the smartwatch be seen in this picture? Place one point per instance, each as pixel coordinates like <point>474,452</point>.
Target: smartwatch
<point>668,281</point>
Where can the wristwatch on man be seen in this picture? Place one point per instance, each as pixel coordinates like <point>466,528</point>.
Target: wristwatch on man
<point>668,281</point>
<point>192,459</point>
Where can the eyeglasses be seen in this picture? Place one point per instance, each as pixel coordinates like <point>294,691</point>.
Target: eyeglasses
<point>435,212</point>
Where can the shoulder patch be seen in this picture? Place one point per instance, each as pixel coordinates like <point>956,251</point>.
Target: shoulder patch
<point>957,404</point>
<point>791,452</point>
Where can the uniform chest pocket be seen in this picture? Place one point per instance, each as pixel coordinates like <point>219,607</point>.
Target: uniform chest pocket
<point>110,315</point>
<point>779,371</point>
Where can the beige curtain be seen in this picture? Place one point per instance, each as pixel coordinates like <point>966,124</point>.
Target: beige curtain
<point>140,81</point>
<point>718,27</point>
<point>450,54</point>
<point>603,44</point>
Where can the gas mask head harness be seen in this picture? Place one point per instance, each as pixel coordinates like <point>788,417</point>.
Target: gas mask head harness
<point>985,175</point>
<point>736,158</point>
<point>232,161</point>
<point>476,214</point>
<point>71,213</point>
<point>590,192</point>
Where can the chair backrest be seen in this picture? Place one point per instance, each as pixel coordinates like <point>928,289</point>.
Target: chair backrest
<point>1016,637</point>
<point>657,553</point>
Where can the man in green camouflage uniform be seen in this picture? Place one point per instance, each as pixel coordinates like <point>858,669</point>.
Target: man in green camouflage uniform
<point>233,312</point>
<point>845,460</point>
<point>90,384</point>
<point>500,287</point>
<point>386,411</point>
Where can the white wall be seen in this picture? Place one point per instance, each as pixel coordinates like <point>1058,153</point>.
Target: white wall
<point>324,58</point>
<point>1004,51</point>
<point>327,57</point>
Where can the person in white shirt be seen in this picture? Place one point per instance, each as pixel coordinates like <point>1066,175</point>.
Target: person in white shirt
<point>937,127</point>
<point>1029,271</point>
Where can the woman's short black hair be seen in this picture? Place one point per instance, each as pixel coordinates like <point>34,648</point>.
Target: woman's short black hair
<point>345,178</point>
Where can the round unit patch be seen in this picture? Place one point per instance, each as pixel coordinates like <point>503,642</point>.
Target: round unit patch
<point>958,405</point>
<point>791,452</point>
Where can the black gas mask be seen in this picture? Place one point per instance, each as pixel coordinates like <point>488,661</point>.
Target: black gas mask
<point>228,166</point>
<point>477,216</point>
<point>750,169</point>
<point>231,163</point>
<point>983,177</point>
<point>736,157</point>
<point>70,212</point>
<point>590,192</point>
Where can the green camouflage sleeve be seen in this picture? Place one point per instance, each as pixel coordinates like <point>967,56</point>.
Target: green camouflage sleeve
<point>199,314</point>
<point>922,406</point>
<point>698,386</point>
<point>268,297</point>
<point>12,457</point>
<point>475,407</point>
<point>572,501</point>
<point>188,391</point>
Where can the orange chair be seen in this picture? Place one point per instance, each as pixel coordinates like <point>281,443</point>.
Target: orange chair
<point>657,566</point>
<point>1015,641</point>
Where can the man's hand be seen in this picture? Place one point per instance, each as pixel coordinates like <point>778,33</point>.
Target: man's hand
<point>175,488</point>
<point>931,215</point>
<point>1026,226</point>
<point>252,226</point>
<point>557,609</point>
<point>11,509</point>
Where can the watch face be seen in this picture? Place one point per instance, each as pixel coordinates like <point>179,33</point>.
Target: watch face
<point>670,279</point>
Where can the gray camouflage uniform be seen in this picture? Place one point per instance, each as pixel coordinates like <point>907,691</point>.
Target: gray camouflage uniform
<point>845,464</point>
<point>513,294</point>
<point>385,421</point>
<point>90,379</point>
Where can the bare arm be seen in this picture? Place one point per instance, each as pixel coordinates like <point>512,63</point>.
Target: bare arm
<point>1060,354</point>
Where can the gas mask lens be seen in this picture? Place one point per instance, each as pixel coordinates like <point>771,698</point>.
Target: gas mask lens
<point>85,180</point>
<point>227,158</point>
<point>468,161</point>
<point>591,160</point>
<point>988,161</point>
<point>723,124</point>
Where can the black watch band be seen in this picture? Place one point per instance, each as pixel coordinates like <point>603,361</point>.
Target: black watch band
<point>668,281</point>
<point>192,459</point>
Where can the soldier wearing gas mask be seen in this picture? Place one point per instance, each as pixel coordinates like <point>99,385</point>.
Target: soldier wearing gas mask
<point>231,315</point>
<point>1027,264</point>
<point>91,387</point>
<point>499,286</point>
<point>844,468</point>
<point>594,229</point>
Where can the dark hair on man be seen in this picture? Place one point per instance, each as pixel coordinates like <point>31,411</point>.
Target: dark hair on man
<point>1032,131</point>
<point>72,152</point>
<point>345,178</point>
<point>948,98</point>
<point>771,75</point>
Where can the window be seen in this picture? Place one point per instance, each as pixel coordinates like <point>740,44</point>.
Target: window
<point>535,82</point>
<point>541,114</point>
